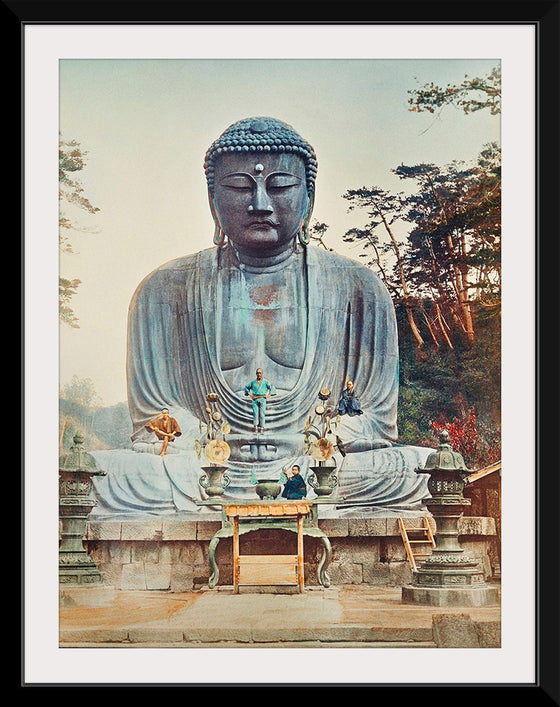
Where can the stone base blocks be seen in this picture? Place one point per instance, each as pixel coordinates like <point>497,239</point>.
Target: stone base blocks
<point>172,554</point>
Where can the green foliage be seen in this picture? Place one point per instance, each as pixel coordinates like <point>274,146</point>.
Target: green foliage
<point>442,386</point>
<point>444,275</point>
<point>378,239</point>
<point>77,403</point>
<point>71,159</point>
<point>66,290</point>
<point>481,368</point>
<point>317,233</point>
<point>113,426</point>
<point>471,95</point>
<point>414,419</point>
<point>454,242</point>
<point>103,427</point>
<point>81,391</point>
<point>450,257</point>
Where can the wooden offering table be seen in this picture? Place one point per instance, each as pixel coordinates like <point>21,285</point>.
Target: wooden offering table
<point>244,517</point>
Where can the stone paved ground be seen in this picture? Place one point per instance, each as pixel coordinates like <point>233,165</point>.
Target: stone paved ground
<point>344,616</point>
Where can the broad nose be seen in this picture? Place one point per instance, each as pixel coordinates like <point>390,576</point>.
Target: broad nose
<point>261,199</point>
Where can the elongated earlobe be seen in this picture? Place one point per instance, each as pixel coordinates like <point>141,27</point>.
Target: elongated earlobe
<point>303,234</point>
<point>219,235</point>
<point>303,231</point>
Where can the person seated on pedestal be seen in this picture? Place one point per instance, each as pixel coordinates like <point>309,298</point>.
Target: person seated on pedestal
<point>349,403</point>
<point>165,428</point>
<point>263,293</point>
<point>294,486</point>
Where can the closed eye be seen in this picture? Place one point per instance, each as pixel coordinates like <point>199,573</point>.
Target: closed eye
<point>280,187</point>
<point>239,182</point>
<point>282,181</point>
<point>235,187</point>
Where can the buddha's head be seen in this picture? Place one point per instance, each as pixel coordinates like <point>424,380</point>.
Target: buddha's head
<point>261,184</point>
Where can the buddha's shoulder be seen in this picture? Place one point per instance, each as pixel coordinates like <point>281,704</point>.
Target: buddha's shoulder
<point>180,268</point>
<point>341,267</point>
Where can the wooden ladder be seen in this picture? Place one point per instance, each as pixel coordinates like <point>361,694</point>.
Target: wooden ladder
<point>414,537</point>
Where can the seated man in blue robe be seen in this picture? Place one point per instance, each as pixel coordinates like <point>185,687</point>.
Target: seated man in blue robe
<point>349,403</point>
<point>294,487</point>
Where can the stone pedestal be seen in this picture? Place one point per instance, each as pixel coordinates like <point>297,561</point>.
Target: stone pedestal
<point>77,468</point>
<point>452,596</point>
<point>449,577</point>
<point>170,552</point>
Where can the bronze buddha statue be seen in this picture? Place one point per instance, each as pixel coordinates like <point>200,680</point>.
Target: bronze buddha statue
<point>263,297</point>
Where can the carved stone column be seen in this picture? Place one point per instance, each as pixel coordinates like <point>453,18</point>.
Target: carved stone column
<point>76,469</point>
<point>449,577</point>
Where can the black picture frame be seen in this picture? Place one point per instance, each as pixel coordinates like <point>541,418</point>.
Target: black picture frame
<point>545,18</point>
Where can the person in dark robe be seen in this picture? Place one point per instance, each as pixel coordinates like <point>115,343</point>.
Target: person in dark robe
<point>349,403</point>
<point>295,487</point>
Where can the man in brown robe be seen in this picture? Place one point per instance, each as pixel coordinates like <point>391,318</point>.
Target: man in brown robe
<point>166,428</point>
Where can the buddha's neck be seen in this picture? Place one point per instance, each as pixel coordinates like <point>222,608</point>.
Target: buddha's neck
<point>261,263</point>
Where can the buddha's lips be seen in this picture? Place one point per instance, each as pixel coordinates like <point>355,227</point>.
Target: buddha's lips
<point>263,222</point>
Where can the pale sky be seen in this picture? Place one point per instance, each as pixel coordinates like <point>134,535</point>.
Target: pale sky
<point>146,125</point>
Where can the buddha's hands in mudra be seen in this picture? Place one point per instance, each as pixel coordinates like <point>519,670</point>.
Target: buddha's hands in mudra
<point>246,448</point>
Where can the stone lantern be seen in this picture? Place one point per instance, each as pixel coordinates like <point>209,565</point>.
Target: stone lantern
<point>448,577</point>
<point>76,470</point>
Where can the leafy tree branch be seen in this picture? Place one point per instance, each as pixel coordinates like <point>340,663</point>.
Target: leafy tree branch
<point>471,95</point>
<point>71,159</point>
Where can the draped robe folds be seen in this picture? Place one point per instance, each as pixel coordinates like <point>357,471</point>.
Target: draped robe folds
<point>176,326</point>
